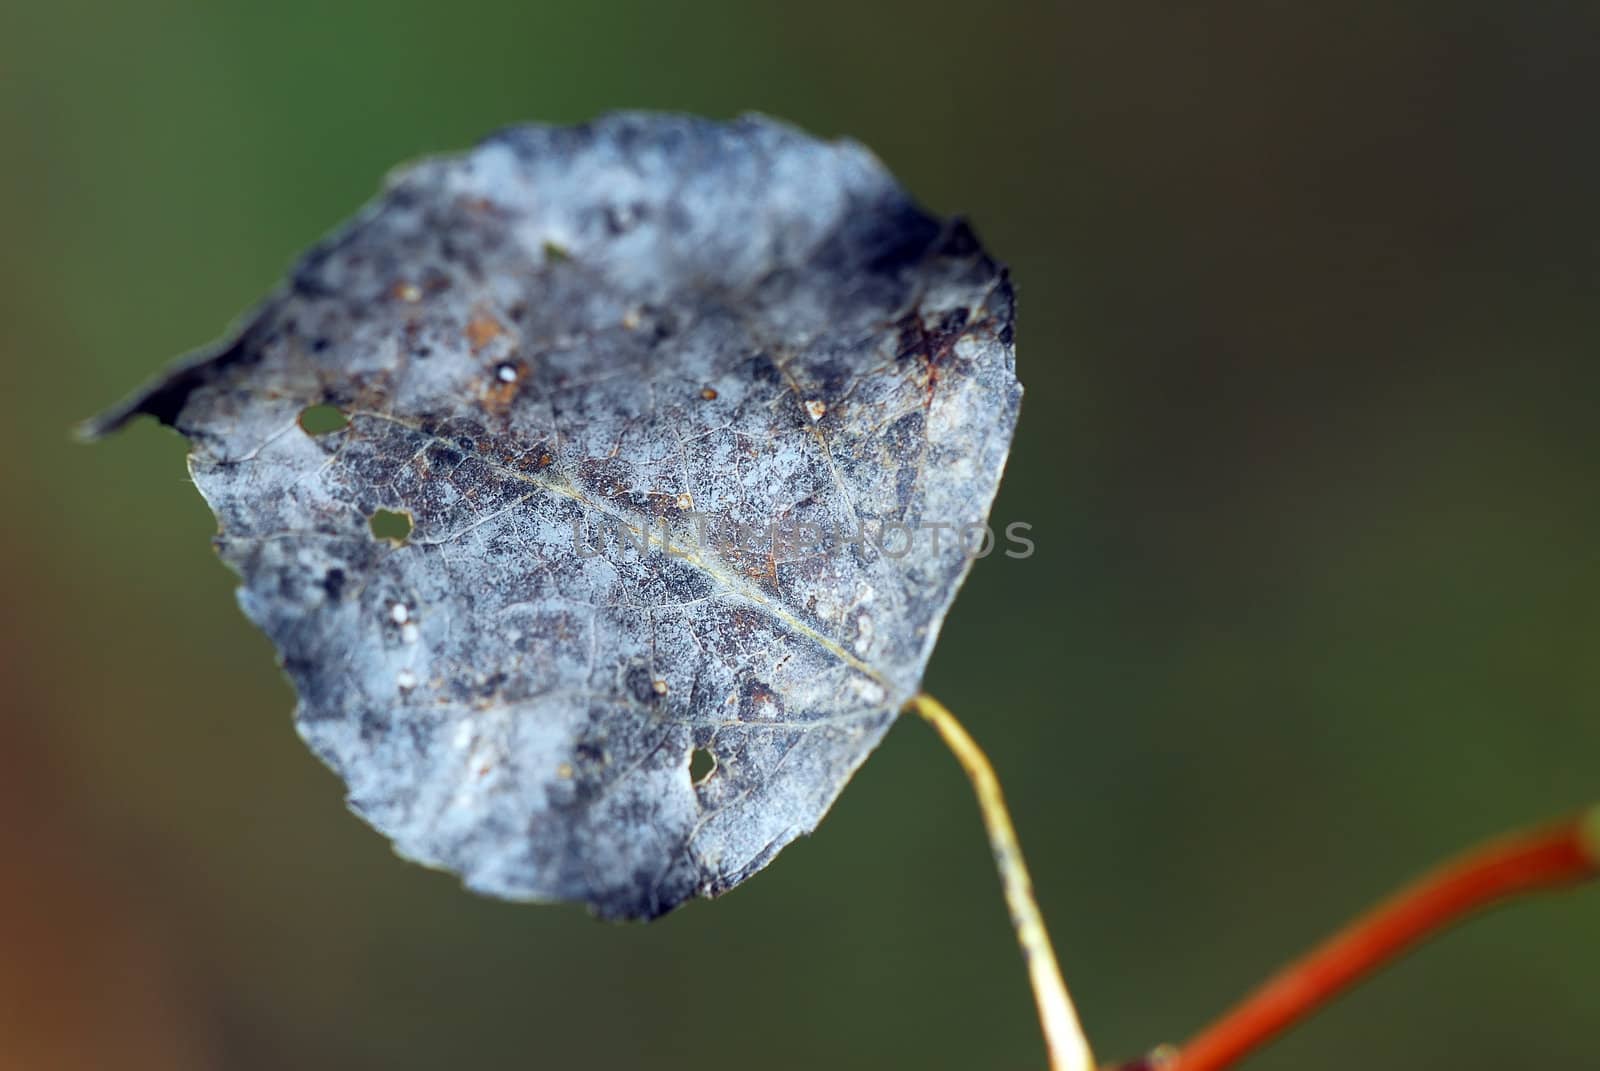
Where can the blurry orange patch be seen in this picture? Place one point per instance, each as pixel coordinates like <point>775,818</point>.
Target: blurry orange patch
<point>88,978</point>
<point>483,329</point>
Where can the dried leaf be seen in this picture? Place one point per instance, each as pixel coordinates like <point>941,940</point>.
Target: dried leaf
<point>661,323</point>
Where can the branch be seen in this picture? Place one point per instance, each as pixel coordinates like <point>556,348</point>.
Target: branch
<point>1063,1035</point>
<point>1502,870</point>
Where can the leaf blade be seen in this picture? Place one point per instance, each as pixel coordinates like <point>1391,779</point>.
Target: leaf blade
<point>745,327</point>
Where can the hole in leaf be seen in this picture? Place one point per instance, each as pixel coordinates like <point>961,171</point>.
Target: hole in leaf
<point>321,419</point>
<point>391,525</point>
<point>554,252</point>
<point>702,764</point>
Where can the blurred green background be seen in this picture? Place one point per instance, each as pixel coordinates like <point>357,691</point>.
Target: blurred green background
<point>1309,332</point>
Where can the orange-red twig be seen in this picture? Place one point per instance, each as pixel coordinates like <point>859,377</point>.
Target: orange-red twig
<point>1501,870</point>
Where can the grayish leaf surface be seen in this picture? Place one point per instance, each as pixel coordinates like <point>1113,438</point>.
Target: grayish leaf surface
<point>637,321</point>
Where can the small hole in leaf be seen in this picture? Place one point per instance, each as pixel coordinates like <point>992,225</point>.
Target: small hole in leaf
<point>391,525</point>
<point>321,419</point>
<point>702,764</point>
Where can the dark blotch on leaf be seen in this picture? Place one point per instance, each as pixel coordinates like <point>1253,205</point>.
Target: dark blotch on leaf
<point>333,584</point>
<point>642,685</point>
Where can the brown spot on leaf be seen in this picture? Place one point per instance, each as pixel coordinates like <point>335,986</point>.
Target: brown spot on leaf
<point>932,345</point>
<point>483,329</point>
<point>505,383</point>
